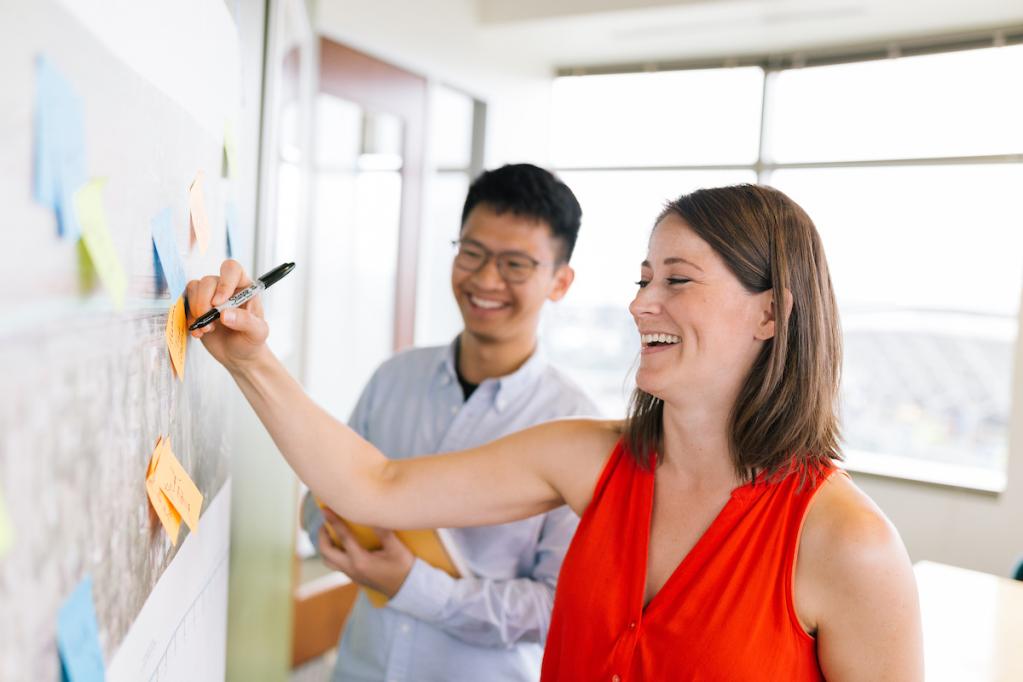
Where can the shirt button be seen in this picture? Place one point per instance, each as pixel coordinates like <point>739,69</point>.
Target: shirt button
<point>616,678</point>
<point>632,625</point>
<point>405,628</point>
<point>454,409</point>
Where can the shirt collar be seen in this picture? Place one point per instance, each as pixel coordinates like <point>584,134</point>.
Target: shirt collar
<point>506,388</point>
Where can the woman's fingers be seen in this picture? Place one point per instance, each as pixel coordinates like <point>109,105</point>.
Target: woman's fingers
<point>241,320</point>
<point>232,278</point>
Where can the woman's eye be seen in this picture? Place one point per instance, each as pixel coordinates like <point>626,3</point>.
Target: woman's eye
<point>642,283</point>
<point>678,280</point>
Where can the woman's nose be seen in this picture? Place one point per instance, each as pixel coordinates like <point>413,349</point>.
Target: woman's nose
<point>644,302</point>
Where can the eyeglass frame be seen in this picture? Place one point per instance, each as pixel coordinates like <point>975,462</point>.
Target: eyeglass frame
<point>488,254</point>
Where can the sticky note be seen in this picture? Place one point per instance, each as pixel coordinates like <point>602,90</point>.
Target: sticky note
<point>59,146</point>
<point>177,336</point>
<point>78,636</point>
<point>230,150</point>
<point>169,517</point>
<point>231,218</point>
<point>96,235</point>
<point>171,266</point>
<point>6,535</point>
<point>197,212</point>
<point>174,482</point>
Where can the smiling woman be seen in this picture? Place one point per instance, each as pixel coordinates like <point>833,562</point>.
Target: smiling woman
<point>740,551</point>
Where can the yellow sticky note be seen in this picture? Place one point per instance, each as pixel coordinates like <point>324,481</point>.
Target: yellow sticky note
<point>6,536</point>
<point>172,479</point>
<point>197,211</point>
<point>96,236</point>
<point>168,516</point>
<point>230,149</point>
<point>177,337</point>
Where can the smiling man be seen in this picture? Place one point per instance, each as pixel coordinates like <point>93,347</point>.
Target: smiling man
<point>519,227</point>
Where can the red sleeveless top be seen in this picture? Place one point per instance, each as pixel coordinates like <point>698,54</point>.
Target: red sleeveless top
<point>726,613</point>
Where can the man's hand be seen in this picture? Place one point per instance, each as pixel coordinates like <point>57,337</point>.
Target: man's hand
<point>383,570</point>
<point>239,336</point>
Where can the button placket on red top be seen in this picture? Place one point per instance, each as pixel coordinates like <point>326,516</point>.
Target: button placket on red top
<point>631,634</point>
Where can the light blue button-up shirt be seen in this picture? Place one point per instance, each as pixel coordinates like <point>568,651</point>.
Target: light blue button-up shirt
<point>490,626</point>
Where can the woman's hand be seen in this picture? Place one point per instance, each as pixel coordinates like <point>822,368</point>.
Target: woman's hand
<point>239,336</point>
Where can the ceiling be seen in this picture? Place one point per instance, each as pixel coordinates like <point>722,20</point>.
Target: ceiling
<point>579,33</point>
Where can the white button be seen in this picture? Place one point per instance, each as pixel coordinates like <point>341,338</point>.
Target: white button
<point>454,409</point>
<point>405,628</point>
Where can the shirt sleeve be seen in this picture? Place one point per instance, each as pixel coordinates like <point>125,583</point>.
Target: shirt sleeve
<point>312,517</point>
<point>488,612</point>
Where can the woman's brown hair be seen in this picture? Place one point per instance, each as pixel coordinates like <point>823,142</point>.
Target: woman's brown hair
<point>786,415</point>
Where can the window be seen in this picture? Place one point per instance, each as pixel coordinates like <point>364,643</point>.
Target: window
<point>455,142</point>
<point>909,167</point>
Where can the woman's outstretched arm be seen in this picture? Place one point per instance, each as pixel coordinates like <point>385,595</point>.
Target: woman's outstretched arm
<point>517,476</point>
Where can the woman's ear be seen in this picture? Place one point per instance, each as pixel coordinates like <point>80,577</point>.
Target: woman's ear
<point>769,313</point>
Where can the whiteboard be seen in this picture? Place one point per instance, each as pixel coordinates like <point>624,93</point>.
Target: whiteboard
<point>88,389</point>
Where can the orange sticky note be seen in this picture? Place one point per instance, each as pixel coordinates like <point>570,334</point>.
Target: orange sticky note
<point>172,479</point>
<point>177,337</point>
<point>197,212</point>
<point>168,516</point>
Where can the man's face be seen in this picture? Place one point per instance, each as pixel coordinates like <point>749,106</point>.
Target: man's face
<point>494,309</point>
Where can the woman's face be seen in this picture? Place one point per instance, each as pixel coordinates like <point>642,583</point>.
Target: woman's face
<point>700,330</point>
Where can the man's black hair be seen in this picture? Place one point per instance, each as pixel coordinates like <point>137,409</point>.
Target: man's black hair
<point>530,192</point>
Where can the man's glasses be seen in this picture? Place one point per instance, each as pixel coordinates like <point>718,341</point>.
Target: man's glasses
<point>514,267</point>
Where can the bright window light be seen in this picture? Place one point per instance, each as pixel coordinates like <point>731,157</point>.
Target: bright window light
<point>926,257</point>
<point>706,116</point>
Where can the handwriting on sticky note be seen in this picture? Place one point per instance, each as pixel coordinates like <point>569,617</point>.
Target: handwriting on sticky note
<point>169,517</point>
<point>78,636</point>
<point>172,479</point>
<point>197,212</point>
<point>167,249</point>
<point>6,535</point>
<point>98,242</point>
<point>59,146</point>
<point>177,337</point>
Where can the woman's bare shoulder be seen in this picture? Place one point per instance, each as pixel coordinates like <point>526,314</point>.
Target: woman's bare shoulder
<point>843,519</point>
<point>849,554</point>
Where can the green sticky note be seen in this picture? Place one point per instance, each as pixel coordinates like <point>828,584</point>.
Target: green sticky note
<point>99,244</point>
<point>6,536</point>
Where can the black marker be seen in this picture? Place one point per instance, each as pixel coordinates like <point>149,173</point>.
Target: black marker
<point>244,295</point>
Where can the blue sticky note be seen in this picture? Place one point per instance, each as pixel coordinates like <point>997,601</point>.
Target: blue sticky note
<point>231,213</point>
<point>170,263</point>
<point>59,146</point>
<point>78,636</point>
